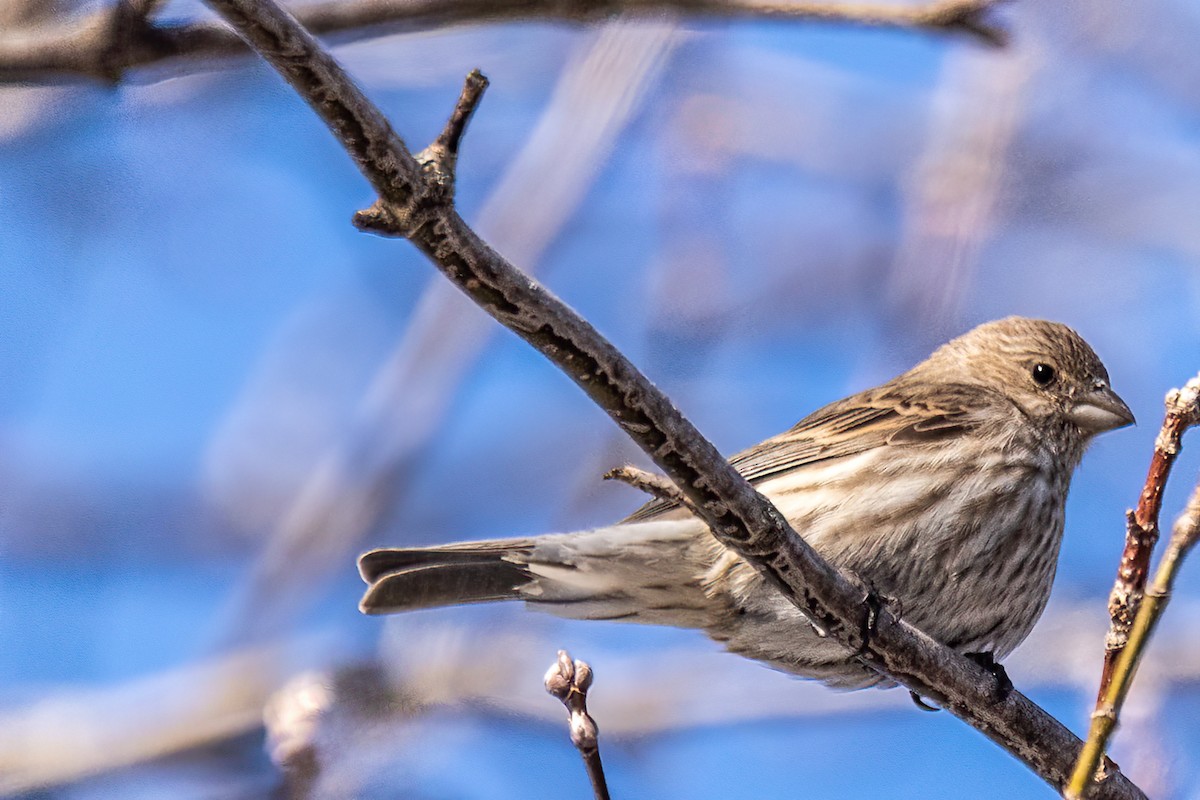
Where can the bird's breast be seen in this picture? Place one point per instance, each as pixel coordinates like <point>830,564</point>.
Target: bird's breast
<point>965,538</point>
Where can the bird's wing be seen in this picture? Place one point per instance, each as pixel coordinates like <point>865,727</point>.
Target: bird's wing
<point>892,414</point>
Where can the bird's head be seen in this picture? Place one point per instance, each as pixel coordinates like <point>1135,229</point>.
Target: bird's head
<point>1046,368</point>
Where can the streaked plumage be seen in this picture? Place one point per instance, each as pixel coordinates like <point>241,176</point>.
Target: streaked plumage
<point>943,487</point>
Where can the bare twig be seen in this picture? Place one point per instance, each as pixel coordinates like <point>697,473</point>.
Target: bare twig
<point>1141,531</point>
<point>654,485</point>
<point>1104,720</point>
<point>569,681</point>
<point>84,48</point>
<point>735,513</point>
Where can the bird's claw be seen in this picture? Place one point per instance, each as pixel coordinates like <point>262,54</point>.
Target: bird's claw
<point>1004,685</point>
<point>920,703</point>
<point>875,602</point>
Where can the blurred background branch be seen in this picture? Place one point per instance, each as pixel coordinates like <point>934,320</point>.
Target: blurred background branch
<point>107,43</point>
<point>354,720</point>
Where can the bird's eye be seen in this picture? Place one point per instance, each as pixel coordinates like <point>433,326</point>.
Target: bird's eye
<point>1043,374</point>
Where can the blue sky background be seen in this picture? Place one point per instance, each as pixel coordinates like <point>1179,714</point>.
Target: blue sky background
<point>189,324</point>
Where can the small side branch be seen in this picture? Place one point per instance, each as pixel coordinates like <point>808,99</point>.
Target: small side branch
<point>1141,532</point>
<point>1104,720</point>
<point>655,485</point>
<point>569,681</point>
<point>438,163</point>
<point>468,100</point>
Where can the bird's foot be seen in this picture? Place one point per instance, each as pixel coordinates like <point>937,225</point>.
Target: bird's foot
<point>920,703</point>
<point>1004,684</point>
<point>875,602</point>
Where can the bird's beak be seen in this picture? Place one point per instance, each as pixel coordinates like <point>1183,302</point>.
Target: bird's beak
<point>1100,410</point>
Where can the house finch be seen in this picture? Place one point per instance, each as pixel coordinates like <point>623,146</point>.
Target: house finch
<point>943,489</point>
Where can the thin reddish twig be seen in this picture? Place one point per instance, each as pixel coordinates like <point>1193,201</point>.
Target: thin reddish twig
<point>1141,533</point>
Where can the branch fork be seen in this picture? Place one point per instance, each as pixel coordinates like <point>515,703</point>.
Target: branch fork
<point>438,163</point>
<point>967,16</point>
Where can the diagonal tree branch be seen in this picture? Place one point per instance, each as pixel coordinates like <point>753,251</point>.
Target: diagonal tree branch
<point>737,514</point>
<point>84,48</point>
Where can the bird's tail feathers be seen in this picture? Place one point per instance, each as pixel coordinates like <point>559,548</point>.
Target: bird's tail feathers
<point>643,572</point>
<point>427,577</point>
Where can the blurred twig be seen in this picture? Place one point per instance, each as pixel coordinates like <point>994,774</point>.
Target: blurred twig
<point>952,196</point>
<point>1104,720</point>
<point>78,732</point>
<point>84,47</point>
<point>128,23</point>
<point>74,732</point>
<point>1141,531</point>
<point>569,681</point>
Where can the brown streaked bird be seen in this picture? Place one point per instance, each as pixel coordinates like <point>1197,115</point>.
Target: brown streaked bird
<point>944,488</point>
